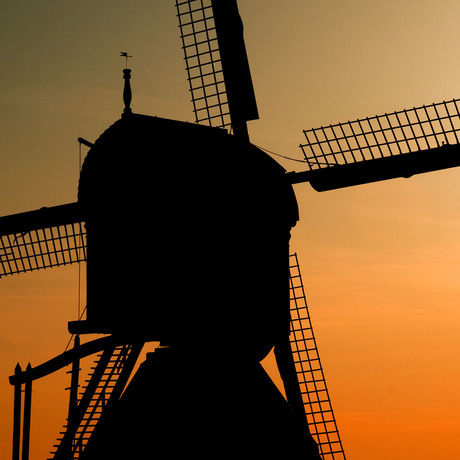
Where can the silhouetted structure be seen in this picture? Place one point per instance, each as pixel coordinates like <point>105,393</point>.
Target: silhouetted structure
<point>185,229</point>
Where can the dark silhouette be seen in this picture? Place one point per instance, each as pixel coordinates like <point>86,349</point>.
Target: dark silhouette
<point>188,244</point>
<point>183,403</point>
<point>187,233</point>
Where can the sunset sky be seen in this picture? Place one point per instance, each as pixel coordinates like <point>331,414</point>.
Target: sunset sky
<point>380,262</point>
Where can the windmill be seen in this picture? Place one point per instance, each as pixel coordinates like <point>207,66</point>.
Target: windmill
<point>108,207</point>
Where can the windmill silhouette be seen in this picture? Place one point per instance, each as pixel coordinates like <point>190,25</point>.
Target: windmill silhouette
<point>205,272</point>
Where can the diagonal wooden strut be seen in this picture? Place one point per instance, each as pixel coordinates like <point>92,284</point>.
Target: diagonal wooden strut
<point>104,387</point>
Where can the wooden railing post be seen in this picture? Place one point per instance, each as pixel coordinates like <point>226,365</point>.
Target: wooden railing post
<point>27,414</point>
<point>17,413</point>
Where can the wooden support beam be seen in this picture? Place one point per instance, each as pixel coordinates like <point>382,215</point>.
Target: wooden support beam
<point>17,413</point>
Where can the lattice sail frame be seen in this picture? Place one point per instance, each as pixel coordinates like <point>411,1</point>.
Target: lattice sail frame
<point>203,63</point>
<point>45,238</point>
<point>397,133</point>
<point>315,395</point>
<point>42,248</point>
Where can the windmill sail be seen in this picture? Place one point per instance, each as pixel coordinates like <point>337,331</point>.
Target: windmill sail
<point>312,383</point>
<point>399,144</point>
<point>216,62</point>
<point>47,237</point>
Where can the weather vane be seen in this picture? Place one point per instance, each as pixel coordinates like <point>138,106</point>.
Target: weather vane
<point>125,55</point>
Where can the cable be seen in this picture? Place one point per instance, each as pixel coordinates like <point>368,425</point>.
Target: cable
<point>279,155</point>
<point>79,265</point>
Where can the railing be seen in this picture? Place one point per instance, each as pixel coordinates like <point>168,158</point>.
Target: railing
<point>105,385</point>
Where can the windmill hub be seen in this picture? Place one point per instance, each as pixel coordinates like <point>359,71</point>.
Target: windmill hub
<point>188,234</point>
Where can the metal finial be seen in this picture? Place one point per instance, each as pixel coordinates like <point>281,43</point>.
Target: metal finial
<point>125,55</point>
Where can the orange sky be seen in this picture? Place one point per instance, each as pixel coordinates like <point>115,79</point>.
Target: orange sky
<point>379,262</point>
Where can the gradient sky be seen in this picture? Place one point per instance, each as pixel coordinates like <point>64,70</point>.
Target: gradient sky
<point>380,262</point>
